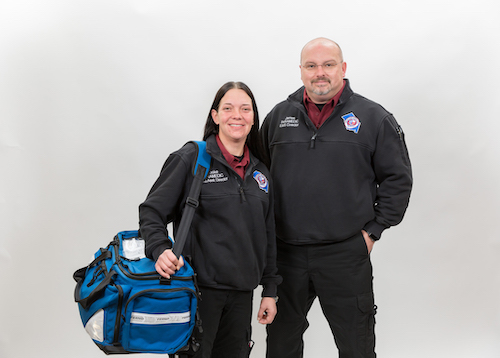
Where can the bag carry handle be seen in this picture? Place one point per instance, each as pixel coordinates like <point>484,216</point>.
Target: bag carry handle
<point>201,171</point>
<point>96,293</point>
<point>79,277</point>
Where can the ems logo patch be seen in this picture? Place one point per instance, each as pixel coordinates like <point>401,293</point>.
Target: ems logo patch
<point>261,180</point>
<point>351,122</point>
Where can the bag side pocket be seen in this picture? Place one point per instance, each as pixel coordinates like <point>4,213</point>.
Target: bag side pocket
<point>102,318</point>
<point>159,320</point>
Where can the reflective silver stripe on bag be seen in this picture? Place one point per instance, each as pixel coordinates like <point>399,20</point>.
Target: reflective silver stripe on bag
<point>167,318</point>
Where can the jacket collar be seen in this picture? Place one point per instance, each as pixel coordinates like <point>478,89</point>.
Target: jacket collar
<point>214,150</point>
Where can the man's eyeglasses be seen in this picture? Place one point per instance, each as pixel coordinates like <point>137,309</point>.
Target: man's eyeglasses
<point>327,67</point>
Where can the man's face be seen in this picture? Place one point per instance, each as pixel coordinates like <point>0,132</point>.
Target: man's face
<point>322,71</point>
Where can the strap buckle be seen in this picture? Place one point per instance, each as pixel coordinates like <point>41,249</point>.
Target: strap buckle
<point>192,202</point>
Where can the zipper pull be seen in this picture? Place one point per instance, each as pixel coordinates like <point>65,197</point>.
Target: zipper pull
<point>399,130</point>
<point>242,195</point>
<point>313,140</point>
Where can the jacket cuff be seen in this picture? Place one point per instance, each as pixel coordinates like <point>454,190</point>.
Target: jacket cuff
<point>159,250</point>
<point>374,228</point>
<point>270,290</point>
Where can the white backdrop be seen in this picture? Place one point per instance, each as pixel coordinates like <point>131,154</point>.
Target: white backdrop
<point>94,95</point>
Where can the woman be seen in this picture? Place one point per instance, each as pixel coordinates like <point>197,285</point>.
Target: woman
<point>232,239</point>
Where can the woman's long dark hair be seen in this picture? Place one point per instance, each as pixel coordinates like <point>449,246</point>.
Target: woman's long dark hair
<point>253,141</point>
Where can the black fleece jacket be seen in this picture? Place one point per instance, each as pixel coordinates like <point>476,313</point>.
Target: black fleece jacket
<point>231,241</point>
<point>332,182</point>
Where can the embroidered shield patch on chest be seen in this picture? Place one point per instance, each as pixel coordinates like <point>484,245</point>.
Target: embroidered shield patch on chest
<point>351,122</point>
<point>261,180</point>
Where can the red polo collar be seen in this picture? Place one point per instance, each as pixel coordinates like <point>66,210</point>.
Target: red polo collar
<point>238,166</point>
<point>317,116</point>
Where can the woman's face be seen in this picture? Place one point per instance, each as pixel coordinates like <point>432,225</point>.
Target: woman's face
<point>234,116</point>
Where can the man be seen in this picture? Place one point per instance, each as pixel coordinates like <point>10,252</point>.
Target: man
<point>342,176</point>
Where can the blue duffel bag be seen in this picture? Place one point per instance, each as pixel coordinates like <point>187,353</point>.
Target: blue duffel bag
<point>126,306</point>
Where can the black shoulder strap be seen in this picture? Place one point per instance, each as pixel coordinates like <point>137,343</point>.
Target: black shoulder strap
<point>200,170</point>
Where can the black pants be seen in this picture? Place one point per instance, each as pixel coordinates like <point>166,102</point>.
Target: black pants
<point>226,320</point>
<point>340,275</point>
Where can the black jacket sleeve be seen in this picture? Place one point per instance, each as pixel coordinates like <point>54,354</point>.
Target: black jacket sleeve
<point>163,205</point>
<point>270,278</point>
<point>392,168</point>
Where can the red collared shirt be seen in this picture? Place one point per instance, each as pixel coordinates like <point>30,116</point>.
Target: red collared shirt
<point>317,116</point>
<point>238,165</point>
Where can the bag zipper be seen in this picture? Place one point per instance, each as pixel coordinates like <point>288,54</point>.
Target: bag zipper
<point>116,337</point>
<point>152,275</point>
<point>141,293</point>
